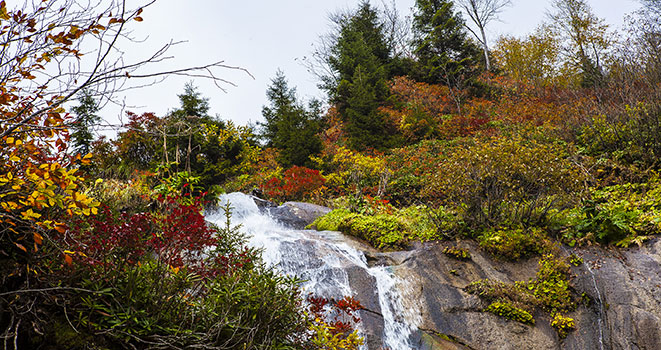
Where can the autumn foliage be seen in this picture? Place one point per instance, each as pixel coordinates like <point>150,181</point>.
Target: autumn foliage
<point>296,183</point>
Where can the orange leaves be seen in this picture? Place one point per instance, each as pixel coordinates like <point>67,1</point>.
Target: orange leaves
<point>67,259</point>
<point>4,15</point>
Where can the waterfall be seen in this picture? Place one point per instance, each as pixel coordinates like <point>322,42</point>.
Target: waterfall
<point>322,260</point>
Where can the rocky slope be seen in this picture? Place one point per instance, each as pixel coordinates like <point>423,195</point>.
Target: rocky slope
<point>619,290</point>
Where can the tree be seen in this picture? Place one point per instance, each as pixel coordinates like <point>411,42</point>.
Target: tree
<point>290,127</point>
<point>86,118</point>
<point>585,39</point>
<point>360,62</point>
<point>533,59</point>
<point>482,12</point>
<point>51,51</point>
<point>444,52</point>
<point>191,103</point>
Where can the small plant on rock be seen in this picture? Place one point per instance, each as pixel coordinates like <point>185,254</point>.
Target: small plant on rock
<point>457,253</point>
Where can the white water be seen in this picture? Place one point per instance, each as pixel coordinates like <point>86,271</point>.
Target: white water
<point>601,307</point>
<point>321,259</point>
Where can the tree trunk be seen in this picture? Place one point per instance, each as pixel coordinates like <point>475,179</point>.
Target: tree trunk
<point>485,48</point>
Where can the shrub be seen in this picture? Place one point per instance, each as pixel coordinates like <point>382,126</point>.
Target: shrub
<point>382,231</point>
<point>632,136</point>
<point>619,213</point>
<point>169,279</point>
<point>297,183</point>
<point>388,228</point>
<point>334,323</point>
<point>506,179</point>
<point>551,287</point>
<point>514,244</point>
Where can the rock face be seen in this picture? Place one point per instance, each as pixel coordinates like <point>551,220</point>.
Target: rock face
<point>620,290</point>
<point>624,288</point>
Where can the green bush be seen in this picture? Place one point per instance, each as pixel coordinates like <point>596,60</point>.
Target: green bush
<point>388,227</point>
<point>507,179</point>
<point>514,244</point>
<point>165,291</point>
<point>632,136</point>
<point>382,231</point>
<point>622,214</point>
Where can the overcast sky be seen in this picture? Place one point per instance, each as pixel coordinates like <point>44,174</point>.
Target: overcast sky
<point>262,36</point>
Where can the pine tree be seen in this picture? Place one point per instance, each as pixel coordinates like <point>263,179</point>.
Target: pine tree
<point>290,127</point>
<point>445,53</point>
<point>86,117</point>
<point>361,58</point>
<point>192,103</point>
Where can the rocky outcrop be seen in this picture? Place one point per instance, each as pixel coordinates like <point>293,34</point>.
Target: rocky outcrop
<point>621,290</point>
<point>618,293</point>
<point>296,215</point>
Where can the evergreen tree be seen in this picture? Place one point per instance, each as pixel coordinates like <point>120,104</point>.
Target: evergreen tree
<point>445,54</point>
<point>360,58</point>
<point>290,127</point>
<point>192,103</point>
<point>86,117</point>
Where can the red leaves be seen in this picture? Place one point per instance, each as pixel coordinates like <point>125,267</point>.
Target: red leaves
<point>176,236</point>
<point>341,315</point>
<point>296,183</point>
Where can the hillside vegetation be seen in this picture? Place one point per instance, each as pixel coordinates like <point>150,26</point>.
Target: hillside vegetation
<point>103,243</point>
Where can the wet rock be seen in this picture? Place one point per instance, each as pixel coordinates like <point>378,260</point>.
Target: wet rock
<point>297,215</point>
<point>625,313</point>
<point>625,289</point>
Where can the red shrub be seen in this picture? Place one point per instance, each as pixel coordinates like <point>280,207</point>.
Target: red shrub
<point>297,183</point>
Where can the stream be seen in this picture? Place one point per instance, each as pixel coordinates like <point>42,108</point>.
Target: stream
<point>332,266</point>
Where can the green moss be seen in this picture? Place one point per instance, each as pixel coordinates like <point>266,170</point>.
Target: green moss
<point>331,221</point>
<point>382,231</point>
<point>514,244</point>
<point>510,312</point>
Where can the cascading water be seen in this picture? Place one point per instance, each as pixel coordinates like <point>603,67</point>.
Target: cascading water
<point>322,260</point>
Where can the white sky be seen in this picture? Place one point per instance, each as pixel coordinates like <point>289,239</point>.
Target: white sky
<point>262,36</point>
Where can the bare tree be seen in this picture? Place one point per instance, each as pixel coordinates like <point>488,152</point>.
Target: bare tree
<point>483,12</point>
<point>586,39</point>
<point>52,49</point>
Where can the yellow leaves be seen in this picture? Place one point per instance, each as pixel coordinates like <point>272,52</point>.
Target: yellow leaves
<point>4,15</point>
<point>9,206</point>
<point>30,214</point>
<point>87,159</point>
<point>21,247</point>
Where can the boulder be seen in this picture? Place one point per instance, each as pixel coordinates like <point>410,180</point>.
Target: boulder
<point>297,215</point>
